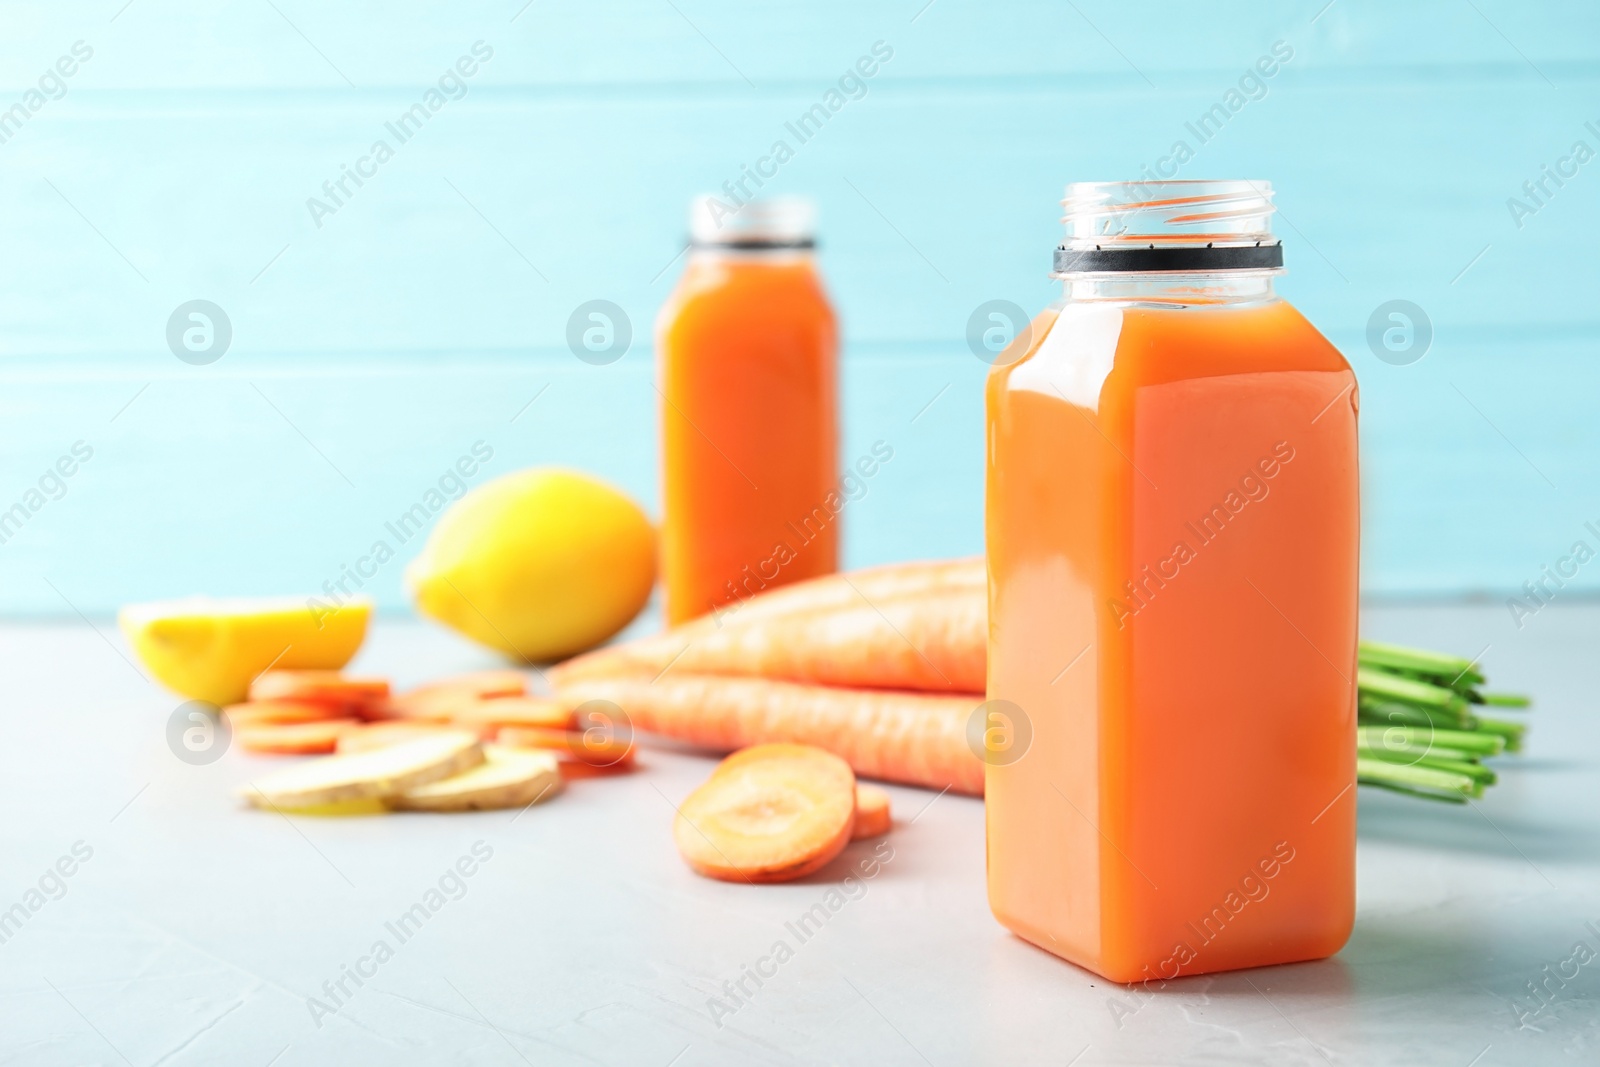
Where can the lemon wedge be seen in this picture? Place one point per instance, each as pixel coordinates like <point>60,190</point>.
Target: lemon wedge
<point>210,649</point>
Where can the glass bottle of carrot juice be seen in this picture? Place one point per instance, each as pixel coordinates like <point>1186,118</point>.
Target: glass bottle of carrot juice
<point>747,353</point>
<point>1172,528</point>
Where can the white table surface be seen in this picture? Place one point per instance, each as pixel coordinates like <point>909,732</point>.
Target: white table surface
<point>198,930</point>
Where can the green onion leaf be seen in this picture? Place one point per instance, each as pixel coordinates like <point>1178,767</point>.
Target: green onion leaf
<point>1382,712</point>
<point>1381,684</point>
<point>1470,741</point>
<point>1450,669</point>
<point>1511,731</point>
<point>1427,782</point>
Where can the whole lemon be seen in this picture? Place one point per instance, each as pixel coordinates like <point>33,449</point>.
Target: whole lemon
<point>540,564</point>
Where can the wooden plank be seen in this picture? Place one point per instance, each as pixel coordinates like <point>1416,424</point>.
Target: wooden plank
<point>360,46</point>
<point>232,479</point>
<point>491,225</point>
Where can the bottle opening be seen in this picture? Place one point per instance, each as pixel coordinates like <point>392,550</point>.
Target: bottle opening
<point>779,222</point>
<point>1186,225</point>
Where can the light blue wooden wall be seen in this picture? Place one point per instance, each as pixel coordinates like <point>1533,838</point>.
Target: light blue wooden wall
<point>423,316</point>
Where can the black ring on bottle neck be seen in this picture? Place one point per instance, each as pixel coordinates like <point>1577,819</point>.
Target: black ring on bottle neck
<point>1122,259</point>
<point>755,244</point>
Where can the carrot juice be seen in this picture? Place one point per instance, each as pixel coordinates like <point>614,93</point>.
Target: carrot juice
<point>1172,534</point>
<point>748,366</point>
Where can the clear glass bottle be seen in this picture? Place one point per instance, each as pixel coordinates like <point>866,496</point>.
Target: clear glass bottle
<point>1173,540</point>
<point>748,364</point>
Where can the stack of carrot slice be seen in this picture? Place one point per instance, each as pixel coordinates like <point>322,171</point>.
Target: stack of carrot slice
<point>881,667</point>
<point>304,712</point>
<point>466,742</point>
<point>316,712</point>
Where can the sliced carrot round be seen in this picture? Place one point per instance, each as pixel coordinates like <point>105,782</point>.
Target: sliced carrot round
<point>433,704</point>
<point>373,735</point>
<point>516,711</point>
<point>500,682</point>
<point>770,813</point>
<point>872,812</point>
<point>294,738</point>
<point>326,686</point>
<point>256,712</point>
<point>587,747</point>
<point>442,700</point>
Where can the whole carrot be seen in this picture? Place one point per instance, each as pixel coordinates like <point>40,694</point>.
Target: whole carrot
<point>932,642</point>
<point>913,738</point>
<point>851,591</point>
<point>886,582</point>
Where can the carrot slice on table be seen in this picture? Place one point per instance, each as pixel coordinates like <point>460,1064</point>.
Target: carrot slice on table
<point>913,738</point>
<point>591,747</point>
<point>872,812</point>
<point>432,704</point>
<point>331,687</point>
<point>498,682</point>
<point>507,778</point>
<point>442,700</point>
<point>373,735</point>
<point>573,770</point>
<point>256,712</point>
<point>378,774</point>
<point>778,812</point>
<point>515,711</point>
<point>293,738</point>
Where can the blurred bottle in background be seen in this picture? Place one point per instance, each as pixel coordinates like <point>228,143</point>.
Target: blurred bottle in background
<point>748,369</point>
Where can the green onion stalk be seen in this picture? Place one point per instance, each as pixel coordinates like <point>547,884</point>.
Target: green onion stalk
<point>1419,727</point>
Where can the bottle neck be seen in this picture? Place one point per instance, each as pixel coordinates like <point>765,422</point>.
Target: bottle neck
<point>756,257</point>
<point>1172,288</point>
<point>1178,243</point>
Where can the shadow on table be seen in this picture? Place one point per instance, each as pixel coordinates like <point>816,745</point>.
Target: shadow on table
<point>870,860</point>
<point>1490,829</point>
<point>1385,958</point>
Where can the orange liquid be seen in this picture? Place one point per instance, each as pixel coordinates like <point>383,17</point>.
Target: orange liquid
<point>748,361</point>
<point>1172,527</point>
